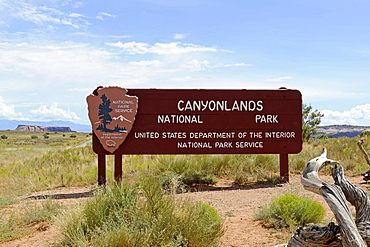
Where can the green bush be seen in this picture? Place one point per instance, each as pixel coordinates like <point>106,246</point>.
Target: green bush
<point>40,212</point>
<point>4,137</point>
<point>141,214</point>
<point>320,137</point>
<point>291,211</point>
<point>198,177</point>
<point>34,137</point>
<point>365,133</point>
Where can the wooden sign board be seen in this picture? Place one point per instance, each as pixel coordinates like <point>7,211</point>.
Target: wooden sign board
<point>187,121</point>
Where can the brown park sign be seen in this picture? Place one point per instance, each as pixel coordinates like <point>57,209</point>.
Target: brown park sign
<point>189,121</point>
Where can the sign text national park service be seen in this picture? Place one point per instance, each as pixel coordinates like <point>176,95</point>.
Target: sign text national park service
<point>187,121</point>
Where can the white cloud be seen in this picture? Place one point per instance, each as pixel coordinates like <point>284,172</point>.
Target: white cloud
<point>180,36</point>
<point>160,48</point>
<point>280,79</point>
<point>232,65</point>
<point>8,111</point>
<point>43,15</point>
<point>184,79</point>
<point>56,61</point>
<point>53,113</point>
<point>62,65</point>
<point>70,62</point>
<point>144,63</point>
<point>75,15</point>
<point>352,116</point>
<point>76,5</point>
<point>102,16</point>
<point>87,34</point>
<point>195,65</point>
<point>100,36</point>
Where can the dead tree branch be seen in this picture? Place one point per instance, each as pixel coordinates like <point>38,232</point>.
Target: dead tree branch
<point>353,233</point>
<point>367,158</point>
<point>359,143</point>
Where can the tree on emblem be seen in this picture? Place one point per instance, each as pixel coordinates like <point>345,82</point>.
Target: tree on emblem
<point>106,119</point>
<point>104,110</point>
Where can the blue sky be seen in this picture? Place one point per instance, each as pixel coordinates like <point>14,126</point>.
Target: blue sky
<point>54,53</point>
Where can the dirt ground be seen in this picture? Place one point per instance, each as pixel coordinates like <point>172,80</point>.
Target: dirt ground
<point>236,204</point>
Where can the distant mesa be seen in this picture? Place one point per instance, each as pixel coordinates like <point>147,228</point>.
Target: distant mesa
<point>337,131</point>
<point>42,129</point>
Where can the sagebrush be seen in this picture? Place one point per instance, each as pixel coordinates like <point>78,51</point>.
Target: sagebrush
<point>141,214</point>
<point>291,211</point>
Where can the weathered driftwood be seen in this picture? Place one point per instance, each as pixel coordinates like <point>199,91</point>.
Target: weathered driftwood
<point>353,233</point>
<point>313,235</point>
<point>359,199</point>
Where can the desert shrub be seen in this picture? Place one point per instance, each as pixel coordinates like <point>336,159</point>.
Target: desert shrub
<point>9,228</point>
<point>240,179</point>
<point>4,137</point>
<point>291,211</point>
<point>322,137</point>
<point>42,211</point>
<point>207,169</point>
<point>365,133</point>
<point>274,179</point>
<point>198,177</point>
<point>200,225</point>
<point>141,214</point>
<point>191,169</point>
<point>5,201</point>
<point>34,137</point>
<point>172,182</point>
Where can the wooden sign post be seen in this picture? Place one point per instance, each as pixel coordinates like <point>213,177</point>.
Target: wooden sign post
<point>189,121</point>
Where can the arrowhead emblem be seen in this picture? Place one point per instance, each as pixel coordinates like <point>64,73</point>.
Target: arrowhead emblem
<point>112,114</point>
